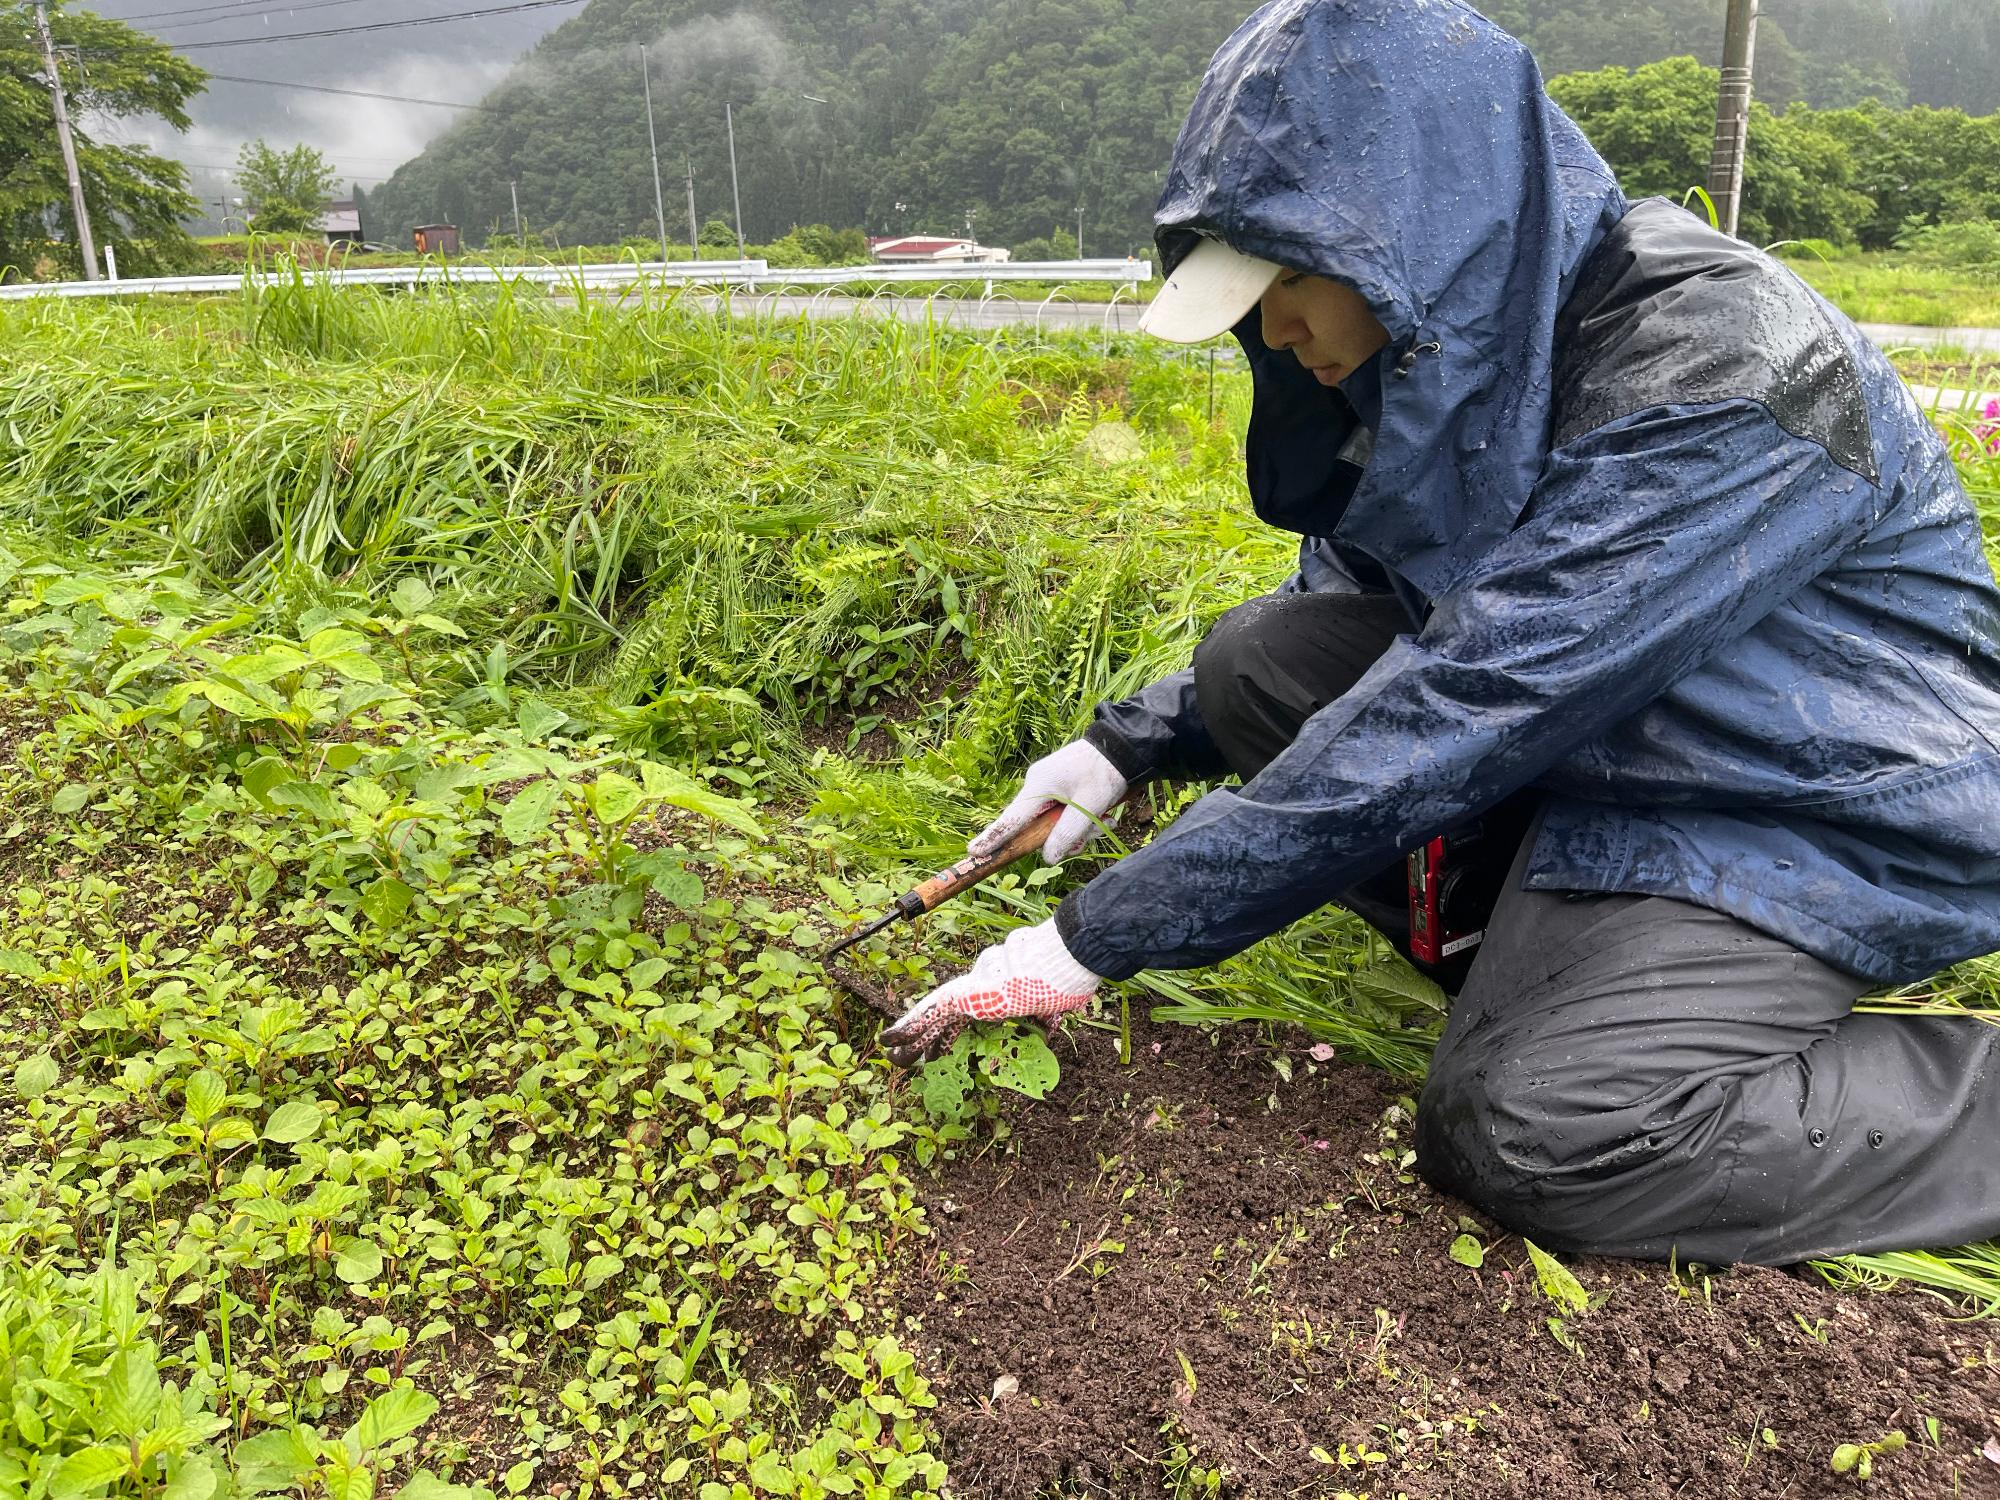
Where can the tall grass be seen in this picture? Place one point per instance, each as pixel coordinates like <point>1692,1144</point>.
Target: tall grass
<point>645,504</point>
<point>1885,288</point>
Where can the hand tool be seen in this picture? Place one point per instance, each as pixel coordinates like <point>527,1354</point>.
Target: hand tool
<point>962,876</point>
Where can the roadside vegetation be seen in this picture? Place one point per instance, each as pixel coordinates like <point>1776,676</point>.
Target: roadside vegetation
<point>1869,286</point>
<point>438,735</point>
<point>1892,287</point>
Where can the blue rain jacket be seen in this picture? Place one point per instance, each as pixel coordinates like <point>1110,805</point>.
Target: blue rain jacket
<point>1679,549</point>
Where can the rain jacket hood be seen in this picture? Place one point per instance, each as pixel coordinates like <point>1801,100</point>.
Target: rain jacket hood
<point>1407,149</point>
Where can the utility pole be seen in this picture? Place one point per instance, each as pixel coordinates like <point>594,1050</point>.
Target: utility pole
<point>83,238</point>
<point>694,229</point>
<point>1732,113</point>
<point>729,115</point>
<point>1079,231</point>
<point>514,191</point>
<point>659,203</point>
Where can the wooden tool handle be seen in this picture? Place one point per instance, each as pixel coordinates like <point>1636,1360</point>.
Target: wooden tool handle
<point>969,871</point>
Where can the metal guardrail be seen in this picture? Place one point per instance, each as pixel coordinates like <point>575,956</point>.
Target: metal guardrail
<point>716,273</point>
<point>1125,272</point>
<point>428,273</point>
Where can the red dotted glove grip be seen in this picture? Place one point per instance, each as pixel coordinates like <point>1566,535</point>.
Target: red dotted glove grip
<point>1031,974</point>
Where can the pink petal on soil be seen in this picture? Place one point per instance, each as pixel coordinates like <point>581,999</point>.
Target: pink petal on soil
<point>1991,1452</point>
<point>1321,1052</point>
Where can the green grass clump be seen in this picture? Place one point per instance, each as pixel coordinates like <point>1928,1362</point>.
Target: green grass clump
<point>1886,288</point>
<point>650,509</point>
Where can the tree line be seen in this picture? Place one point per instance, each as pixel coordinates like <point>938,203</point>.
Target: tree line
<point>1867,175</point>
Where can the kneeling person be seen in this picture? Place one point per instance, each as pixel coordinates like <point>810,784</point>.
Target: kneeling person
<point>1622,544</point>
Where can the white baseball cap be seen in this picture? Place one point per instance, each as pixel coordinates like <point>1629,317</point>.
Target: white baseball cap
<point>1208,293</point>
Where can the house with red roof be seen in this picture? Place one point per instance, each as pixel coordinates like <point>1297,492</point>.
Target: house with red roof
<point>934,249</point>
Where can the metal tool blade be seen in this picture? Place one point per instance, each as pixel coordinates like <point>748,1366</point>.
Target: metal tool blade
<point>858,934</point>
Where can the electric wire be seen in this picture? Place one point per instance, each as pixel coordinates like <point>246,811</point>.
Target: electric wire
<point>367,27</point>
<point>239,8</point>
<point>322,88</point>
<point>249,10</point>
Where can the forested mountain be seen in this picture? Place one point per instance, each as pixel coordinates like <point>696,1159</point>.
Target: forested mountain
<point>1953,48</point>
<point>1012,114</point>
<point>892,114</point>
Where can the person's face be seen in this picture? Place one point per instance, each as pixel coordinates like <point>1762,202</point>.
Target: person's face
<point>1325,324</point>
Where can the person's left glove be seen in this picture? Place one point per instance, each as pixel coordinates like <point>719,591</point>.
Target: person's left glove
<point>1030,974</point>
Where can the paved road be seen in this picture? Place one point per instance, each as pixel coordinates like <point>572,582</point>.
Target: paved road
<point>1973,340</point>
<point>1947,399</point>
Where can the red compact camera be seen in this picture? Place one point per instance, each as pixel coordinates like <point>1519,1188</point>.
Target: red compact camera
<point>1454,880</point>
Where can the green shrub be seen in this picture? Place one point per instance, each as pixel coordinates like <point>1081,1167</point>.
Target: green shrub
<point>1970,245</point>
<point>1813,249</point>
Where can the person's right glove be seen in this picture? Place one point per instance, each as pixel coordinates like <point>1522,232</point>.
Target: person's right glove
<point>1078,774</point>
<point>1031,974</point>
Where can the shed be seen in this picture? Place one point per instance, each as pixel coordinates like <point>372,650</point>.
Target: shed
<point>341,223</point>
<point>436,239</point>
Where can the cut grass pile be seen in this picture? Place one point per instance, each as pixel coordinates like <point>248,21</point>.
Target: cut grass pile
<point>440,731</point>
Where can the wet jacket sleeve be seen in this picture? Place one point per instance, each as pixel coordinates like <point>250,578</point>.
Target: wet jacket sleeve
<point>1649,543</point>
<point>1158,731</point>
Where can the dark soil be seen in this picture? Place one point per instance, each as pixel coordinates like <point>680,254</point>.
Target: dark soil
<point>1192,1267</point>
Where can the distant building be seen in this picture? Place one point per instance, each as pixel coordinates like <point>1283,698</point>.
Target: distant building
<point>436,239</point>
<point>341,223</point>
<point>937,250</point>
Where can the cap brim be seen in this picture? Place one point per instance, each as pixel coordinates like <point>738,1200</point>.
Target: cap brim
<point>1208,293</point>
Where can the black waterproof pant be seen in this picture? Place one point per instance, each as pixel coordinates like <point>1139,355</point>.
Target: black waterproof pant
<point>1632,1075</point>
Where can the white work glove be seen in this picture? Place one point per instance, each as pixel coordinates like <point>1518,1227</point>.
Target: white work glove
<point>1030,974</point>
<point>1078,774</point>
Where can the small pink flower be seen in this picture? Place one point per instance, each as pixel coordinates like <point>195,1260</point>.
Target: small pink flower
<point>1321,1052</point>
<point>1987,433</point>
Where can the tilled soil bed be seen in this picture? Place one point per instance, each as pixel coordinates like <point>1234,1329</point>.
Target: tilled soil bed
<point>1191,1277</point>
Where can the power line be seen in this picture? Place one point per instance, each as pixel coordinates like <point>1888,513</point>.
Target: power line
<point>248,9</point>
<point>210,166</point>
<point>236,13</point>
<point>216,166</point>
<point>196,10</point>
<point>321,88</point>
<point>302,36</point>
